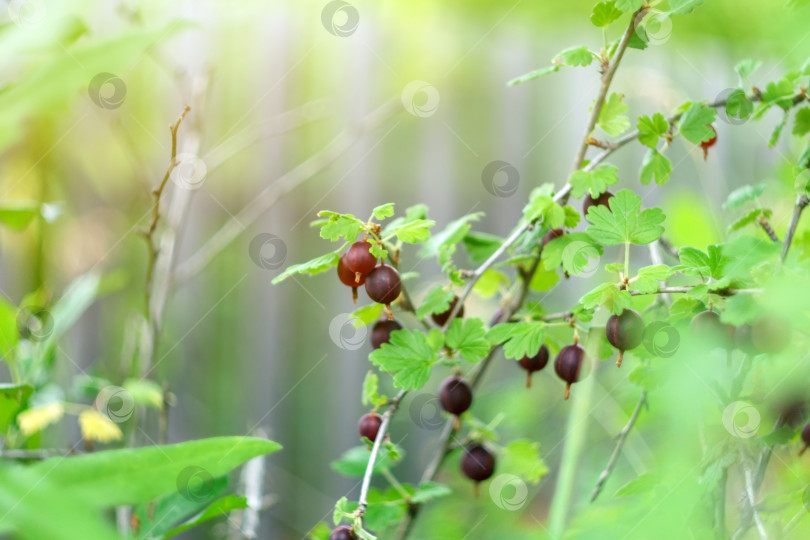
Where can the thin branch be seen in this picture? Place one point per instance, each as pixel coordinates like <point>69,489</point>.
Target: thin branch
<point>749,490</point>
<point>766,226</point>
<point>614,458</point>
<point>283,185</point>
<point>686,289</point>
<point>801,202</point>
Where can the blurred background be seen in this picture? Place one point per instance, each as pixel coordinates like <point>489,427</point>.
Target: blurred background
<point>309,105</point>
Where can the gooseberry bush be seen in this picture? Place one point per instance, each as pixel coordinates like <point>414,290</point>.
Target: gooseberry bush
<point>720,330</point>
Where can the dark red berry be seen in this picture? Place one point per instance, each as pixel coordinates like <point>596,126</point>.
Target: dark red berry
<point>477,463</point>
<point>369,425</point>
<point>569,364</point>
<point>381,332</point>
<point>625,331</point>
<point>707,327</point>
<point>383,285</point>
<point>551,235</point>
<point>343,533</point>
<point>601,200</point>
<point>705,145</point>
<point>441,318</point>
<point>349,278</point>
<point>534,363</point>
<point>455,396</point>
<point>359,259</point>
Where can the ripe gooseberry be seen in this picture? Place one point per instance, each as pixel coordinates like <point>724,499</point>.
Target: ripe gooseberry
<point>441,318</point>
<point>369,425</point>
<point>383,286</point>
<point>625,331</point>
<point>477,464</point>
<point>551,235</point>
<point>381,332</point>
<point>349,278</point>
<point>568,365</point>
<point>534,363</point>
<point>805,437</point>
<point>601,200</point>
<point>343,532</point>
<point>360,260</point>
<point>455,396</point>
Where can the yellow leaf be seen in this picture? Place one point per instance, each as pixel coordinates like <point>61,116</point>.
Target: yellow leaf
<point>36,418</point>
<point>97,427</point>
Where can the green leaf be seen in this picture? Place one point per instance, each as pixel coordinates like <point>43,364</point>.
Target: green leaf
<point>629,5</point>
<point>338,226</point>
<point>311,267</point>
<point>412,232</point>
<point>745,68</point>
<point>520,339</point>
<point>367,314</point>
<point>437,301</point>
<point>777,130</point>
<point>609,295</point>
<point>468,338</point>
<point>802,123</point>
<point>625,221</point>
<point>490,283</point>
<point>427,491</point>
<point>595,182</point>
<point>575,56</point>
<point>145,392</point>
<point>572,251</point>
<point>641,484</point>
<point>611,118</point>
<point>131,476</point>
<point>371,395</point>
<point>605,13</point>
<point>454,233</point>
<point>738,105</point>
<point>742,195</point>
<point>748,219</point>
<point>353,463</point>
<point>572,217</point>
<point>408,357</point>
<point>695,262</point>
<point>530,76</point>
<point>17,215</point>
<point>657,166</point>
<point>522,458</point>
<point>741,309</point>
<point>696,123</point>
<point>542,206</point>
<point>783,435</point>
<point>650,129</point>
<point>779,93</point>
<point>222,507</point>
<point>383,211</point>
<point>342,505</point>
<point>9,333</point>
<point>480,246</point>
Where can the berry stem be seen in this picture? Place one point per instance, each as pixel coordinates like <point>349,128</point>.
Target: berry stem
<point>528,380</point>
<point>619,359</point>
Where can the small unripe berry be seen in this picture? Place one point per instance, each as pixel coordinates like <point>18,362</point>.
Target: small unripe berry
<point>381,332</point>
<point>534,363</point>
<point>441,318</point>
<point>383,285</point>
<point>569,364</point>
<point>477,464</point>
<point>707,327</point>
<point>369,425</point>
<point>343,533</point>
<point>349,278</point>
<point>625,331</point>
